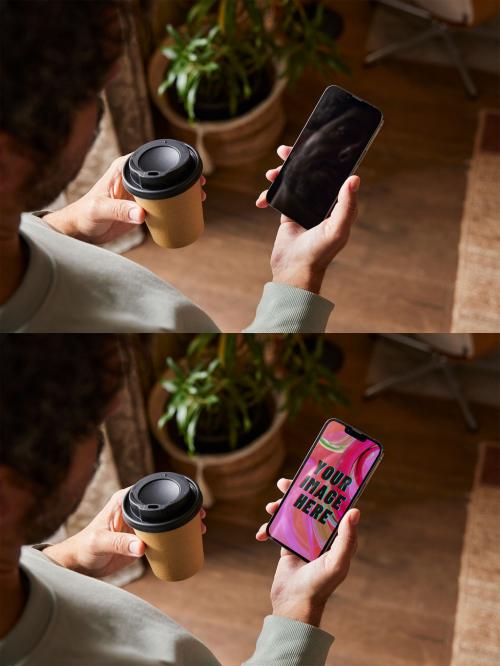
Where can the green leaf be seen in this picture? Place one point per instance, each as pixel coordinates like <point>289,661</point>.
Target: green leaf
<point>169,414</point>
<point>169,385</point>
<point>191,432</point>
<point>197,42</point>
<point>176,369</point>
<point>181,416</point>
<point>170,53</point>
<point>176,36</point>
<point>229,18</point>
<point>169,81</point>
<point>200,343</point>
<point>318,17</point>
<point>198,374</point>
<point>191,99</point>
<point>255,14</point>
<point>213,33</point>
<point>181,83</point>
<point>200,9</point>
<point>162,421</point>
<point>213,365</point>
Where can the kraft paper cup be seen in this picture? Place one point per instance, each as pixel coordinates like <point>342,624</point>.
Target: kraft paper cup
<point>163,509</point>
<point>163,176</point>
<point>175,222</point>
<point>175,555</point>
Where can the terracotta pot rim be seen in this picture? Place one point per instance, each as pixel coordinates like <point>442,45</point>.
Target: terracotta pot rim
<point>208,459</point>
<point>162,103</point>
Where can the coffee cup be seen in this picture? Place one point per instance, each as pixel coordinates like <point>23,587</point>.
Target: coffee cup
<point>163,509</point>
<point>163,176</point>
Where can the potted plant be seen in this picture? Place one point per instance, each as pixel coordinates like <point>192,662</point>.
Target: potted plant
<point>219,78</point>
<point>219,411</point>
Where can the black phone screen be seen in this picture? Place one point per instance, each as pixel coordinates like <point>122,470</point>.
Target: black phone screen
<point>323,157</point>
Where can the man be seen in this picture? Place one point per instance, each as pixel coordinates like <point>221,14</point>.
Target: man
<point>56,57</point>
<point>56,391</point>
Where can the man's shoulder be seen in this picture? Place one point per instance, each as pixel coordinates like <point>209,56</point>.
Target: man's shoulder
<point>66,250</point>
<point>96,622</point>
<point>95,290</point>
<point>88,605</point>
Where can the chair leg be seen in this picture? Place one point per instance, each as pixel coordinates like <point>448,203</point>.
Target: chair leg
<point>401,378</point>
<point>386,51</point>
<point>436,29</point>
<point>457,392</point>
<point>457,59</point>
<point>436,362</point>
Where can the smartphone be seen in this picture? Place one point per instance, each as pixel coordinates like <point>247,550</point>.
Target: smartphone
<point>328,483</point>
<point>328,150</point>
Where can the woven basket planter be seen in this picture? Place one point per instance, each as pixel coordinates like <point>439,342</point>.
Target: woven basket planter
<point>224,475</point>
<point>224,143</point>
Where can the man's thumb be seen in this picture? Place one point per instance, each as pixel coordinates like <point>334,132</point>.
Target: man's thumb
<point>346,210</point>
<point>344,546</point>
<point>120,543</point>
<point>119,210</point>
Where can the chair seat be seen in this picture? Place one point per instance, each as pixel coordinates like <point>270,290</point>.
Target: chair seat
<point>462,12</point>
<point>454,11</point>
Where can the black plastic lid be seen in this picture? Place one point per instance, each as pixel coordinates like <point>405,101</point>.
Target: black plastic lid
<point>161,502</point>
<point>161,169</point>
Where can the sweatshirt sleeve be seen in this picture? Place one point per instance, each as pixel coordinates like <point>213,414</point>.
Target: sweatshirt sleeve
<point>285,309</point>
<point>284,642</point>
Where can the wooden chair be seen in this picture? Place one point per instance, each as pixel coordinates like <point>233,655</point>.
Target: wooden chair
<point>439,17</point>
<point>440,352</point>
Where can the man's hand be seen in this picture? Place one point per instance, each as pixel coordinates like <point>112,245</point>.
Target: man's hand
<point>106,212</point>
<point>106,545</point>
<point>301,589</point>
<point>300,257</point>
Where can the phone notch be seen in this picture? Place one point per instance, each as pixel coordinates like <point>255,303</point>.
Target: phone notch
<point>355,433</point>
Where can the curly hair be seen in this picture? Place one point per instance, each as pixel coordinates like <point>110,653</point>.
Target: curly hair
<point>54,58</point>
<point>55,390</point>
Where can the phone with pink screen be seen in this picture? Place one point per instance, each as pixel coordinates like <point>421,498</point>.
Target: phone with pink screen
<point>328,483</point>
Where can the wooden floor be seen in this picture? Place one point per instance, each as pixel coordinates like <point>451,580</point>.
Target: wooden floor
<point>397,606</point>
<point>398,272</point>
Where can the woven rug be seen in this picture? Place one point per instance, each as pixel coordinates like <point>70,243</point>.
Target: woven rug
<point>477,622</point>
<point>477,290</point>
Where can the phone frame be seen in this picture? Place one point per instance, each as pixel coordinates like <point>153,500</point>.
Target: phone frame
<point>354,432</point>
<point>355,167</point>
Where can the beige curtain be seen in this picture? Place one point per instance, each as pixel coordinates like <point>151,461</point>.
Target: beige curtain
<point>126,124</point>
<point>127,94</point>
<point>126,457</point>
<point>127,429</point>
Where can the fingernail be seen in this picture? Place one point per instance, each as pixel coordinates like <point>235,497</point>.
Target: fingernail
<point>134,547</point>
<point>355,518</point>
<point>134,214</point>
<point>355,185</point>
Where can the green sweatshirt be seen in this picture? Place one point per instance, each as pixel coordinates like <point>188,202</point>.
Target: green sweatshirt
<point>71,619</point>
<point>76,287</point>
